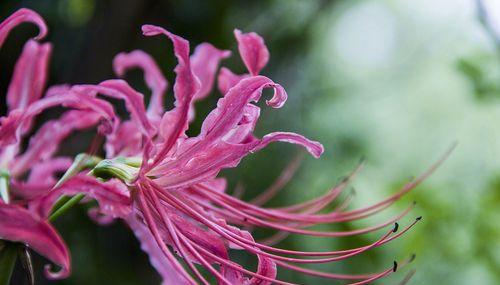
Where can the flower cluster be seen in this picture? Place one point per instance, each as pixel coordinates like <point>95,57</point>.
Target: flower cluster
<point>162,183</point>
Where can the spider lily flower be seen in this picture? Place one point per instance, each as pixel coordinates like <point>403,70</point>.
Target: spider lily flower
<point>177,204</point>
<point>20,222</point>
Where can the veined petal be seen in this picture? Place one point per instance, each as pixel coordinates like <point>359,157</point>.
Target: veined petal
<point>220,124</point>
<point>205,60</point>
<point>30,75</point>
<point>253,51</point>
<point>152,75</point>
<point>185,88</point>
<point>22,15</point>
<point>227,79</point>
<point>20,225</point>
<point>201,167</point>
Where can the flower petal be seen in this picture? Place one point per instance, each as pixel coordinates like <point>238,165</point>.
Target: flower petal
<point>185,88</point>
<point>313,147</point>
<point>18,224</point>
<point>253,51</point>
<point>45,142</point>
<point>112,196</point>
<point>152,75</point>
<point>205,60</point>
<point>21,16</point>
<point>126,141</point>
<point>134,101</point>
<point>30,75</point>
<point>226,137</point>
<point>227,79</point>
<point>42,178</point>
<point>223,120</point>
<point>12,126</point>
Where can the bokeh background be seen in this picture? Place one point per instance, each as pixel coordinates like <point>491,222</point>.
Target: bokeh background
<point>395,81</point>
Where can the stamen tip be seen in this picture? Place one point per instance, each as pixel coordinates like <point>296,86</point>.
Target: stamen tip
<point>414,203</point>
<point>395,266</point>
<point>396,227</point>
<point>418,218</point>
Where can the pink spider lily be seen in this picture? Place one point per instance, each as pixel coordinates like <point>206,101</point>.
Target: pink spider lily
<point>20,222</point>
<point>161,182</point>
<point>178,206</point>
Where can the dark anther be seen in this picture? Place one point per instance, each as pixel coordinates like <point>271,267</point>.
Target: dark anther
<point>396,227</point>
<point>414,203</point>
<point>419,218</point>
<point>395,266</point>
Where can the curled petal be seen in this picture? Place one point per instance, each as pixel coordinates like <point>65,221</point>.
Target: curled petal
<point>18,224</point>
<point>205,61</point>
<point>152,75</point>
<point>218,130</point>
<point>11,127</point>
<point>230,109</point>
<point>30,75</point>
<point>21,16</point>
<point>185,88</point>
<point>253,51</point>
<point>227,79</point>
<point>313,147</point>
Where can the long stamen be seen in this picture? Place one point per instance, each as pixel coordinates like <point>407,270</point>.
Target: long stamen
<point>177,242</point>
<point>172,232</point>
<point>347,254</point>
<point>263,223</point>
<point>151,225</point>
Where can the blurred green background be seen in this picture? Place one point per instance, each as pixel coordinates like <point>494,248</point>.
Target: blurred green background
<point>395,81</point>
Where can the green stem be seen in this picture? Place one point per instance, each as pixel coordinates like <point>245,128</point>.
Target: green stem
<point>81,162</point>
<point>70,202</point>
<point>7,263</point>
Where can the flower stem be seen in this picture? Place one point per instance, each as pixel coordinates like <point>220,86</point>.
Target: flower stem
<point>68,204</point>
<point>8,259</point>
<point>81,162</point>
